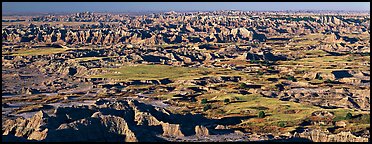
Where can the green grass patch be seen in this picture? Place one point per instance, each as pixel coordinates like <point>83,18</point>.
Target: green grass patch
<point>276,111</point>
<point>38,51</point>
<point>156,72</point>
<point>84,59</point>
<point>167,96</point>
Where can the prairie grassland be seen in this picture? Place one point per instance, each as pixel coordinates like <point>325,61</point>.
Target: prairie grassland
<point>38,51</point>
<point>156,72</point>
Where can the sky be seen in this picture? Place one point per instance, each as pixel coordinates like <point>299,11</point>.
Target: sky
<point>11,7</point>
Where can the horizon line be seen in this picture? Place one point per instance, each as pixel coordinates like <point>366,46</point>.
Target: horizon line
<point>181,11</point>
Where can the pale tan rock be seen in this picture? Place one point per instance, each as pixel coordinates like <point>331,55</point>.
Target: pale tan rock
<point>172,130</point>
<point>38,135</point>
<point>341,124</point>
<point>221,127</point>
<point>30,128</point>
<point>320,136</point>
<point>201,131</point>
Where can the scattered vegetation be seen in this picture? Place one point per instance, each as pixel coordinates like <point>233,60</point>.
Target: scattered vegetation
<point>291,78</point>
<point>254,61</point>
<point>261,114</point>
<point>226,101</point>
<point>243,86</point>
<point>203,101</point>
<point>259,108</point>
<point>207,107</point>
<point>260,73</point>
<point>328,81</point>
<point>282,124</point>
<point>348,116</point>
<point>363,119</point>
<point>318,77</point>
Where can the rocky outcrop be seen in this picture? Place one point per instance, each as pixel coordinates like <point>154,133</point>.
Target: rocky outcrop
<point>201,131</point>
<point>126,121</point>
<point>120,126</point>
<point>82,123</point>
<point>320,136</point>
<point>222,39</point>
<point>172,130</point>
<point>32,128</point>
<point>221,127</point>
<point>144,118</point>
<point>115,29</point>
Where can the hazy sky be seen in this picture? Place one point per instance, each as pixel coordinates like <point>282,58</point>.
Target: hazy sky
<point>176,6</point>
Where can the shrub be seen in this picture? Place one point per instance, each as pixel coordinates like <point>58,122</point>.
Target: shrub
<point>243,86</point>
<point>318,77</point>
<point>266,63</point>
<point>254,61</point>
<point>207,107</point>
<point>348,116</point>
<point>282,124</point>
<point>260,73</point>
<point>204,101</point>
<point>261,114</point>
<point>328,81</point>
<point>291,78</point>
<point>226,100</point>
<point>364,119</point>
<point>237,98</point>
